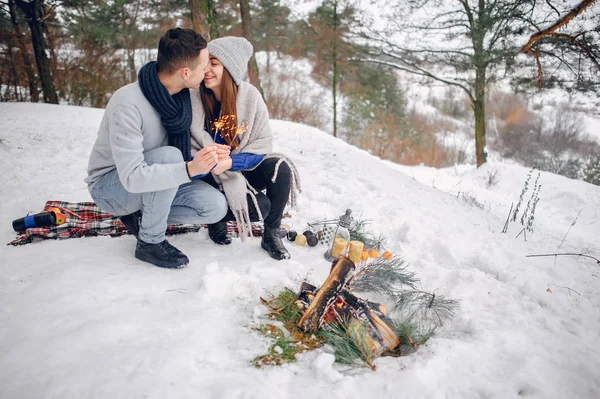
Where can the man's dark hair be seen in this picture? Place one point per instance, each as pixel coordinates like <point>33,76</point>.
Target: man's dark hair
<point>179,48</point>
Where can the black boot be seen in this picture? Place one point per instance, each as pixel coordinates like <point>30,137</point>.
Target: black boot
<point>271,242</point>
<point>162,254</point>
<point>132,222</point>
<point>218,233</point>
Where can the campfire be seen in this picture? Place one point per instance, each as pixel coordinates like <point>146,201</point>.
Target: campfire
<point>340,312</point>
<point>334,303</point>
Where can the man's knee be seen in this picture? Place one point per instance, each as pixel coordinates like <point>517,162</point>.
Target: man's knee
<point>216,206</point>
<point>221,206</point>
<point>163,155</point>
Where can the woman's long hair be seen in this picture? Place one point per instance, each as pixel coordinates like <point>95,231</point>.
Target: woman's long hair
<point>228,98</point>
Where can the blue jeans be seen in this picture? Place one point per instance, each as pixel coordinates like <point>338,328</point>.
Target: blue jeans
<point>194,202</point>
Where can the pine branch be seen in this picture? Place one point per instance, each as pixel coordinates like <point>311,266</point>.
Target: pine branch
<point>410,332</point>
<point>350,344</point>
<point>383,277</point>
<point>359,232</point>
<point>425,308</point>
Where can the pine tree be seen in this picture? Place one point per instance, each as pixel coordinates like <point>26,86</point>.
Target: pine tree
<point>330,24</point>
<point>107,35</point>
<point>591,172</point>
<point>271,30</point>
<point>374,111</point>
<point>36,14</point>
<point>471,44</point>
<point>19,39</point>
<point>247,29</point>
<point>204,16</point>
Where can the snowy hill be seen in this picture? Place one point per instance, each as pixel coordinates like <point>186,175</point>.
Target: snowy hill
<point>84,318</point>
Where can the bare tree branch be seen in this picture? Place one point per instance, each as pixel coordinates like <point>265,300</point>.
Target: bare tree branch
<point>536,38</point>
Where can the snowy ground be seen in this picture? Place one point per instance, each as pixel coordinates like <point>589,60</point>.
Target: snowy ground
<point>84,318</point>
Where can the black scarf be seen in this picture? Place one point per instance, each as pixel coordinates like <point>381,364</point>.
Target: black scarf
<point>175,111</point>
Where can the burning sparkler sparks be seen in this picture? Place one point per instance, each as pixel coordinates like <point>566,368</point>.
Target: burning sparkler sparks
<point>227,127</point>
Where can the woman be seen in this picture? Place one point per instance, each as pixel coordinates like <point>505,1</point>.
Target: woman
<point>226,110</point>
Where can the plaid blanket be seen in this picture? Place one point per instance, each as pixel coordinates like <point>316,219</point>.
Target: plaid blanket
<point>85,219</point>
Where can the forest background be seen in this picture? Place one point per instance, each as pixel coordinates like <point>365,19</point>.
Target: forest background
<point>426,82</point>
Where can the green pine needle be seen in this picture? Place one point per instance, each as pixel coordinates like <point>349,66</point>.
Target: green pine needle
<point>358,232</point>
<point>384,276</point>
<point>283,307</point>
<point>284,348</point>
<point>350,347</point>
<point>426,308</point>
<point>411,333</point>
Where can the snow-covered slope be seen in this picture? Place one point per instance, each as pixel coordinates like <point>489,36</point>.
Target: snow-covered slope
<point>84,318</point>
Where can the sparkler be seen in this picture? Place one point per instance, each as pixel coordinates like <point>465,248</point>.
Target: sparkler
<point>228,129</point>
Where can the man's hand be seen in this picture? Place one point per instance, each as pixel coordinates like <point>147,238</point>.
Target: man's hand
<point>223,151</point>
<point>203,161</point>
<point>222,166</point>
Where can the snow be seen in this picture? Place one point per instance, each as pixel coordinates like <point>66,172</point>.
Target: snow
<point>84,318</point>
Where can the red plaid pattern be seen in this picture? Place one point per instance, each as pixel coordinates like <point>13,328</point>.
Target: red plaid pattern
<point>85,219</point>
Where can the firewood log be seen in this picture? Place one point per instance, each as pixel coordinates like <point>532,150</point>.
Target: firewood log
<point>371,313</point>
<point>327,293</point>
<point>388,337</point>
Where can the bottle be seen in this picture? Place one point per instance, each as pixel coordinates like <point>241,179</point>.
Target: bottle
<point>43,219</point>
<point>341,240</point>
<point>52,217</point>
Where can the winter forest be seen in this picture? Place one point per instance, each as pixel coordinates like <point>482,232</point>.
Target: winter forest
<point>415,82</point>
<point>444,243</point>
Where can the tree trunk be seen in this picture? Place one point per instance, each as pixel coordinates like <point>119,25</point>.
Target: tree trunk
<point>479,110</point>
<point>247,33</point>
<point>199,19</point>
<point>34,93</point>
<point>335,71</point>
<point>15,75</point>
<point>51,44</point>
<point>478,28</point>
<point>131,63</point>
<point>204,18</point>
<point>33,11</point>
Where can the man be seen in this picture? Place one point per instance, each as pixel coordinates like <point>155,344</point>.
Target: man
<point>135,170</point>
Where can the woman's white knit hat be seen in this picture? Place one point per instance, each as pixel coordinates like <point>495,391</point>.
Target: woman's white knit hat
<point>234,53</point>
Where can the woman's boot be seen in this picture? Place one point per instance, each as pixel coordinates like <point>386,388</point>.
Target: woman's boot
<point>271,242</point>
<point>218,233</point>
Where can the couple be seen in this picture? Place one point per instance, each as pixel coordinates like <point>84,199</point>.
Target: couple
<point>159,158</point>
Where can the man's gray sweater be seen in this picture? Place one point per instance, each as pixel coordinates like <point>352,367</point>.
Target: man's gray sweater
<point>130,127</point>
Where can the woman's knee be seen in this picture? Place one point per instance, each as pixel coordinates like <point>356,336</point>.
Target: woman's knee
<point>264,203</point>
<point>284,171</point>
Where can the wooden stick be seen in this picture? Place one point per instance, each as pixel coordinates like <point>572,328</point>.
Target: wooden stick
<point>569,254</point>
<point>327,293</point>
